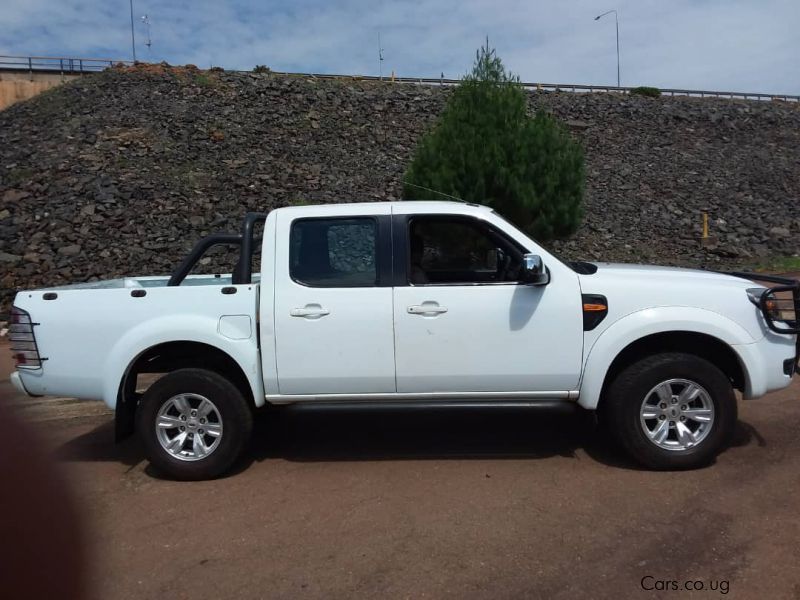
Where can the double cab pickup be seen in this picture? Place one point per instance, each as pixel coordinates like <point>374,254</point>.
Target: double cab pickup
<point>411,303</point>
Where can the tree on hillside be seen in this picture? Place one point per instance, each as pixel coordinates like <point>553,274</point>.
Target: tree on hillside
<point>485,148</point>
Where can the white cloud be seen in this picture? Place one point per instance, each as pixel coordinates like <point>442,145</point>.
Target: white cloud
<point>744,45</point>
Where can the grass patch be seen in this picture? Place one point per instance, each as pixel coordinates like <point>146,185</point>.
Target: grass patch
<point>779,264</point>
<point>204,80</point>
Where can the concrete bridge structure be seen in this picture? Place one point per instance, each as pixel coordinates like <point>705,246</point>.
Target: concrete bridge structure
<point>23,77</point>
<point>15,87</point>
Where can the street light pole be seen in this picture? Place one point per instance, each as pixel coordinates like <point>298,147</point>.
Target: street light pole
<point>616,20</point>
<point>133,38</point>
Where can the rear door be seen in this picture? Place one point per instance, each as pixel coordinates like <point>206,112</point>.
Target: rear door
<point>333,301</point>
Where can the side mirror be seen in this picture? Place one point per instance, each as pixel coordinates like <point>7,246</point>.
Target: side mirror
<point>533,270</point>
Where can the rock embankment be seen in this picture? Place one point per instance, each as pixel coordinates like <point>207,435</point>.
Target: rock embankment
<point>121,172</point>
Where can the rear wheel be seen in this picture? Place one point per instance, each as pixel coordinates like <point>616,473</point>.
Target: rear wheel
<point>671,411</point>
<point>194,424</point>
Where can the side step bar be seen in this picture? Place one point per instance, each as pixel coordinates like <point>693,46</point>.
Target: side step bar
<point>557,406</point>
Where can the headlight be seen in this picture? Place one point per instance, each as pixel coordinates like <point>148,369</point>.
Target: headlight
<point>770,305</point>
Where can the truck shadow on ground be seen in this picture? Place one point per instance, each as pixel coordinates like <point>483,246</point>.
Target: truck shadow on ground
<point>98,445</point>
<point>317,434</point>
<point>321,435</point>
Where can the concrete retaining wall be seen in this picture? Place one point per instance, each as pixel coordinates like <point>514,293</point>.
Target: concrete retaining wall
<point>16,86</point>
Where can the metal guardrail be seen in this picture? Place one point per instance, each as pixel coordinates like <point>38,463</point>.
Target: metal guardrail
<point>57,64</point>
<point>554,87</point>
<point>60,64</point>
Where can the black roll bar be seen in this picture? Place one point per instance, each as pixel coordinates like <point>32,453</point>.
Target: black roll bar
<point>243,271</point>
<point>198,251</point>
<point>244,268</point>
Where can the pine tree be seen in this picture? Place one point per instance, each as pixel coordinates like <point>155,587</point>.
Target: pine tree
<point>486,148</point>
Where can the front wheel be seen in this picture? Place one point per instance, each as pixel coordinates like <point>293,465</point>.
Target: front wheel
<point>671,411</point>
<point>194,424</point>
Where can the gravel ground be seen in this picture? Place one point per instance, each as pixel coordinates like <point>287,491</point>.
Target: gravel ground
<point>466,504</point>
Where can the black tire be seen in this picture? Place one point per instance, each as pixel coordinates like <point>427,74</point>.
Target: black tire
<point>235,416</point>
<point>623,401</point>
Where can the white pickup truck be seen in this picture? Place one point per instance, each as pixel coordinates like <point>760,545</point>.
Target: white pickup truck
<point>413,303</point>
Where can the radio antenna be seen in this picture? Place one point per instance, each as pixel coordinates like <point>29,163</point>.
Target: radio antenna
<point>422,187</point>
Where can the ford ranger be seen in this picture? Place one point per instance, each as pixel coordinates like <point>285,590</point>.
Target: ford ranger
<point>410,303</point>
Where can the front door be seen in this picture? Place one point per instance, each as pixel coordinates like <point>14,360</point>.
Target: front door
<point>333,302</point>
<point>463,323</point>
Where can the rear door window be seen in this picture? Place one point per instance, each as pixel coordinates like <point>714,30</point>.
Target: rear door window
<point>338,252</point>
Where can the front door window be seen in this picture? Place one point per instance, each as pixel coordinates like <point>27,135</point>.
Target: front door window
<point>459,251</point>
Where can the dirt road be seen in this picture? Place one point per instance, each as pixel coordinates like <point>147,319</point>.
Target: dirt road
<point>466,504</point>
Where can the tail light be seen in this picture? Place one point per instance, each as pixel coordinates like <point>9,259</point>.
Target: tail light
<point>23,340</point>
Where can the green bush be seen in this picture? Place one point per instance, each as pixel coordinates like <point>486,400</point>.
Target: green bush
<point>203,80</point>
<point>261,69</point>
<point>486,148</point>
<point>643,90</point>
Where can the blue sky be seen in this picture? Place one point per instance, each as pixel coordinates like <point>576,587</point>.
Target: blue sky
<point>734,45</point>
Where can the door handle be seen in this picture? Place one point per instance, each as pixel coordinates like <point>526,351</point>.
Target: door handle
<point>426,309</point>
<point>310,311</point>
